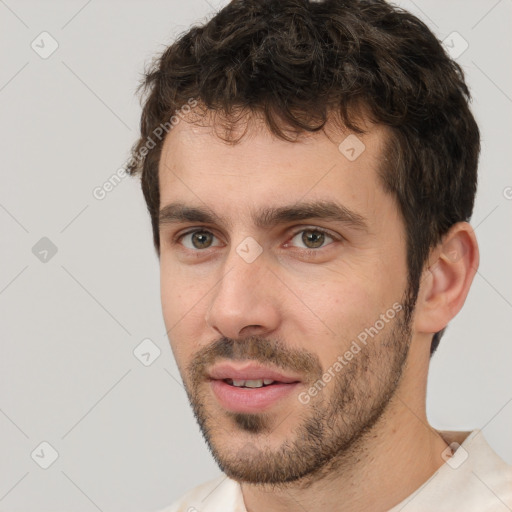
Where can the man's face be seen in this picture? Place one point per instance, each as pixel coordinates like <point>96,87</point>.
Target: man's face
<point>315,304</point>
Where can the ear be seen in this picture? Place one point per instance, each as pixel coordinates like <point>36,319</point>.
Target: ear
<point>446,279</point>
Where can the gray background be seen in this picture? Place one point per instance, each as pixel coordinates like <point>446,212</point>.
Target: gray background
<point>124,433</point>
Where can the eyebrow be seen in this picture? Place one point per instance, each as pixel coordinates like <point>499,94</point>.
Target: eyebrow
<point>268,217</point>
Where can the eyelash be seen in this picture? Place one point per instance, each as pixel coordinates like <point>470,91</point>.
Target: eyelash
<point>177,240</point>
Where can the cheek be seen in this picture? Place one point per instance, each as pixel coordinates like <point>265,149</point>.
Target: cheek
<point>343,305</point>
<point>169,296</point>
<point>184,309</point>
<point>180,291</point>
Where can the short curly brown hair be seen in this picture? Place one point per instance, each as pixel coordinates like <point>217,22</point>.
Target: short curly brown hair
<point>297,61</point>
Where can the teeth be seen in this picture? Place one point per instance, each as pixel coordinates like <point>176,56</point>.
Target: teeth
<point>251,383</point>
<point>239,383</point>
<point>254,383</point>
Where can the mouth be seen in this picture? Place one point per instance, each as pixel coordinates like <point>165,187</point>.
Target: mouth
<point>251,384</point>
<point>250,388</point>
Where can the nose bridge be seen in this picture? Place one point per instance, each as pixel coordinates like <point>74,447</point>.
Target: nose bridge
<point>244,265</point>
<point>240,299</point>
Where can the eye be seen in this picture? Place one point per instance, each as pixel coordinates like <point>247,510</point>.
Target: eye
<point>199,239</point>
<point>313,238</point>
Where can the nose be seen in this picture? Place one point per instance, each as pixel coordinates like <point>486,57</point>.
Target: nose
<point>245,301</point>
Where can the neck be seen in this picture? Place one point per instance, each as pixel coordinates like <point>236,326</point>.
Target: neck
<point>380,470</point>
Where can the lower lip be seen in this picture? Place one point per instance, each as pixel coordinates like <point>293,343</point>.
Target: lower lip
<point>250,399</point>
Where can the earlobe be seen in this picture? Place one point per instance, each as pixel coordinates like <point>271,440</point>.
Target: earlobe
<point>447,278</point>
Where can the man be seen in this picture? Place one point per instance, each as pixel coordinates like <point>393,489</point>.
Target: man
<point>310,170</point>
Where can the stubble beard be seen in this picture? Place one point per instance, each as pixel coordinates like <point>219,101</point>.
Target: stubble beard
<point>330,430</point>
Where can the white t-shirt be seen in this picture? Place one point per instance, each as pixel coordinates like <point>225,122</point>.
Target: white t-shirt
<point>473,479</point>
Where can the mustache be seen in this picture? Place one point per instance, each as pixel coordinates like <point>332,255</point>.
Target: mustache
<point>272,352</point>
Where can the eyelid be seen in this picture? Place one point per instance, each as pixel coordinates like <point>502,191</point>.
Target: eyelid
<point>319,230</point>
<point>176,239</point>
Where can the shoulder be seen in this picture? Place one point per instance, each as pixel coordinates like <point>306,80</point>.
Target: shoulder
<point>493,476</point>
<point>220,493</point>
<point>474,479</point>
<point>481,477</point>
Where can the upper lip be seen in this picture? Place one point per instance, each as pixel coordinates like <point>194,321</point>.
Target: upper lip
<point>248,371</point>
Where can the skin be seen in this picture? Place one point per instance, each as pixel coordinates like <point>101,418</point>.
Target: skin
<point>364,442</point>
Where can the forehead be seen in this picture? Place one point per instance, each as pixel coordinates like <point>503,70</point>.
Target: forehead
<point>199,168</point>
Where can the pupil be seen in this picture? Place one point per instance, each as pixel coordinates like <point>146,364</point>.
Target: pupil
<point>202,238</point>
<point>314,240</point>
